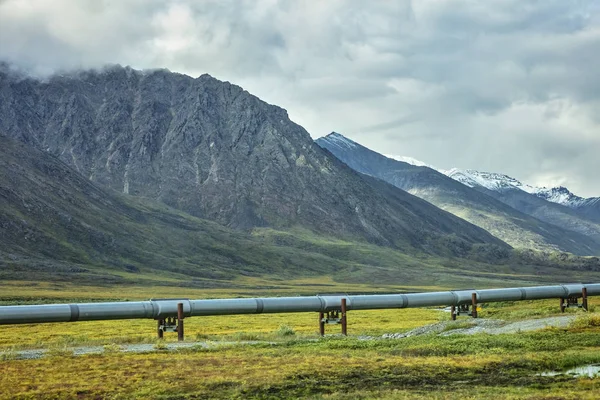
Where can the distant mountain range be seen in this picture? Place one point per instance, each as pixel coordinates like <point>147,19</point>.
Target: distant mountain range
<point>494,202</point>
<point>499,182</point>
<point>58,226</point>
<point>510,190</point>
<point>118,175</point>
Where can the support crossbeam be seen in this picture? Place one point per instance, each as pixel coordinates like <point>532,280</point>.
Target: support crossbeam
<point>334,317</point>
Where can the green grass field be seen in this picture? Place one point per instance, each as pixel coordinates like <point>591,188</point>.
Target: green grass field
<point>290,360</point>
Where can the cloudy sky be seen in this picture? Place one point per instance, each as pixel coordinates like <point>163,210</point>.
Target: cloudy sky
<point>507,86</point>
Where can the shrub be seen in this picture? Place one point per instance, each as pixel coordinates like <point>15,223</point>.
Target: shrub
<point>60,352</point>
<point>112,348</point>
<point>285,330</point>
<point>8,355</point>
<point>586,321</point>
<point>160,345</point>
<point>245,336</point>
<point>458,325</point>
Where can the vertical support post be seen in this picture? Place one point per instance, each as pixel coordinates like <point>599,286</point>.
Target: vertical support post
<point>562,304</point>
<point>584,303</point>
<point>159,331</point>
<point>180,322</point>
<point>453,313</point>
<point>321,324</point>
<point>344,321</point>
<point>474,305</point>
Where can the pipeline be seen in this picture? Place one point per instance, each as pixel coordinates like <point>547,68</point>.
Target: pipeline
<point>161,309</point>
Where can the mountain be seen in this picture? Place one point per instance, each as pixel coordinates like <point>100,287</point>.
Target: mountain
<point>557,206</point>
<point>458,196</point>
<point>495,181</point>
<point>586,207</point>
<point>488,180</point>
<point>56,226</point>
<point>213,150</point>
<point>405,159</point>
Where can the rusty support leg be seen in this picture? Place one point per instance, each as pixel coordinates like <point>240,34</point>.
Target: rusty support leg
<point>159,331</point>
<point>344,321</point>
<point>584,303</point>
<point>453,313</point>
<point>180,322</point>
<point>321,324</point>
<point>474,305</point>
<point>562,304</point>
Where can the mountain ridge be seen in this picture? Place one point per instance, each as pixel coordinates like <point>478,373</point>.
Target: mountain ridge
<point>587,208</point>
<point>504,221</point>
<point>556,194</point>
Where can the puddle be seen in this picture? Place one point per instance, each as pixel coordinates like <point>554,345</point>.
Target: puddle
<point>589,371</point>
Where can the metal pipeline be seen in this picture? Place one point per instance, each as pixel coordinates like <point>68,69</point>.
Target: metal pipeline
<point>160,309</point>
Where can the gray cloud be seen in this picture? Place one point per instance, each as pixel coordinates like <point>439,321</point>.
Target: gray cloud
<point>501,85</point>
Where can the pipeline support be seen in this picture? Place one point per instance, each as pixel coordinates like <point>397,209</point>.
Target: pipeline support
<point>344,321</point>
<point>334,317</point>
<point>180,322</point>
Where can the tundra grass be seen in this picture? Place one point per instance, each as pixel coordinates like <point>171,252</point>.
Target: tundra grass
<point>417,367</point>
<point>224,328</point>
<point>291,361</point>
<point>22,292</point>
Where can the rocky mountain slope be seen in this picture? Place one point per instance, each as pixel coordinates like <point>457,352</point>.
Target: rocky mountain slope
<point>505,222</point>
<point>562,195</point>
<point>557,205</point>
<point>588,208</point>
<point>57,225</point>
<point>213,150</point>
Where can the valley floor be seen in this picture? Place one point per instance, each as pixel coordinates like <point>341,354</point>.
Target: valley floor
<point>281,356</point>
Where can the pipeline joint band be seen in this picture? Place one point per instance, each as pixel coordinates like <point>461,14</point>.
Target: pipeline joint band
<point>189,314</point>
<point>260,305</point>
<point>323,303</point>
<point>404,301</point>
<point>523,294</point>
<point>74,312</point>
<point>455,295</point>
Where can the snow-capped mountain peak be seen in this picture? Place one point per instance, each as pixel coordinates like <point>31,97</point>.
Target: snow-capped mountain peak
<point>340,140</point>
<point>564,196</point>
<point>501,182</point>
<point>488,180</point>
<point>410,160</point>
